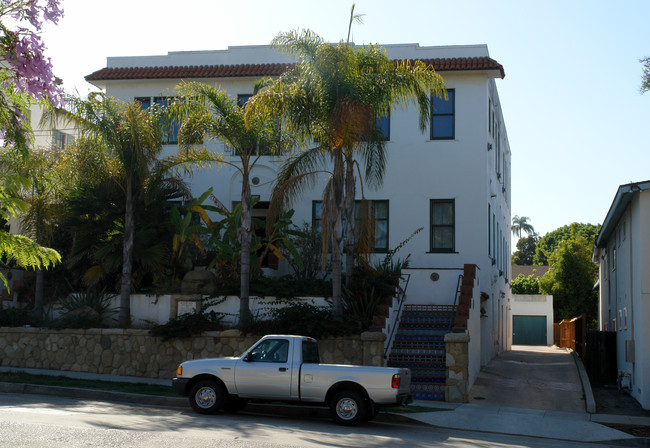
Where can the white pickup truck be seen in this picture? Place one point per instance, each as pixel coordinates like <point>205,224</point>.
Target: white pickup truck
<point>287,368</point>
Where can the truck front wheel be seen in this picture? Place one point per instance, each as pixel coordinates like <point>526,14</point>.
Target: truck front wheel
<point>348,408</point>
<point>206,397</point>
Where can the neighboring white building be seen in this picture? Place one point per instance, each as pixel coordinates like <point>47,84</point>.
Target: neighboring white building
<point>453,181</point>
<point>622,251</point>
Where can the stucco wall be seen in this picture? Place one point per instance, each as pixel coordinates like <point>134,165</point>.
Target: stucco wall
<point>137,353</point>
<point>533,305</point>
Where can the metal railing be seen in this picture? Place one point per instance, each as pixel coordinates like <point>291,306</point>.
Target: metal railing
<point>458,286</point>
<point>394,323</point>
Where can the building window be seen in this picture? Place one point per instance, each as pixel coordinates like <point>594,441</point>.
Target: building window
<point>59,139</point>
<point>242,99</point>
<point>378,214</point>
<point>443,117</point>
<point>442,235</point>
<point>489,231</point>
<point>171,125</point>
<point>383,125</point>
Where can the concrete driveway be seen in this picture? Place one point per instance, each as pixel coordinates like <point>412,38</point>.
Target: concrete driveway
<point>533,377</point>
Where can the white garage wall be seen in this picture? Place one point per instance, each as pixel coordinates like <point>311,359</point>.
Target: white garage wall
<point>533,305</point>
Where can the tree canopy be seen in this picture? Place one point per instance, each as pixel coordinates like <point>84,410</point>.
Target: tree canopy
<point>520,224</point>
<point>645,78</point>
<point>25,76</point>
<point>571,277</point>
<point>547,244</point>
<point>336,95</point>
<point>525,253</point>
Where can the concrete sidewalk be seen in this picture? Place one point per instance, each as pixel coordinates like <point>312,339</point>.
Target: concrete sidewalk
<point>533,391</point>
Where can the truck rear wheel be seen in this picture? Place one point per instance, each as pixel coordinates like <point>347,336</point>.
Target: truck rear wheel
<point>348,408</point>
<point>206,397</point>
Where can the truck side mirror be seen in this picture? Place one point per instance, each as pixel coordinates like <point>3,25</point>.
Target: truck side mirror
<point>248,357</point>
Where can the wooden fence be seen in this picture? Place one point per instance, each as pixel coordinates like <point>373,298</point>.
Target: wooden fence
<point>570,333</point>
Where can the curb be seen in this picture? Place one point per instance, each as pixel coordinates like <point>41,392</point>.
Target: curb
<point>590,402</point>
<point>92,394</point>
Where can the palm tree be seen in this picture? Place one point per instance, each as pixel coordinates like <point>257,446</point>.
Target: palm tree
<point>19,249</point>
<point>335,95</point>
<point>521,224</point>
<point>210,112</point>
<point>132,138</point>
<point>39,220</point>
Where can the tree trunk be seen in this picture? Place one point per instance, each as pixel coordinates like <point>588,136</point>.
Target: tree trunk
<point>337,268</point>
<point>350,240</point>
<point>244,293</point>
<point>337,237</point>
<point>39,294</point>
<point>127,260</point>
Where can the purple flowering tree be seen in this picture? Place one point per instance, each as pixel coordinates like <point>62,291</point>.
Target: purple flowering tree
<point>25,72</point>
<point>25,76</point>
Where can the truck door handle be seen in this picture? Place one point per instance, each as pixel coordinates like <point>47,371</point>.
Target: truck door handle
<point>282,369</point>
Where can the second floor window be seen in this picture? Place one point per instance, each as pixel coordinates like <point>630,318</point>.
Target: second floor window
<point>379,222</point>
<point>443,225</point>
<point>443,113</point>
<point>171,125</point>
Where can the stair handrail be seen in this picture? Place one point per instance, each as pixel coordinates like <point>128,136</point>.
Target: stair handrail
<point>400,301</point>
<point>458,286</point>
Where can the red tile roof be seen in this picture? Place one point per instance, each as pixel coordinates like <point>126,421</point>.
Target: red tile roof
<point>243,70</point>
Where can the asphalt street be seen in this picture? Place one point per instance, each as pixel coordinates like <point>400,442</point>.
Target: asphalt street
<point>46,421</point>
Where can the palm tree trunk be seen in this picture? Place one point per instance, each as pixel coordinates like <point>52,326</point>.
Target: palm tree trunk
<point>350,193</point>
<point>337,267</point>
<point>337,237</point>
<point>244,298</point>
<point>127,259</point>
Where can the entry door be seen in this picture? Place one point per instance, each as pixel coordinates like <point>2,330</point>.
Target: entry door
<point>529,330</point>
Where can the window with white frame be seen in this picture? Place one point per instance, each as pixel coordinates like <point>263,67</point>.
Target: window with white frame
<point>443,225</point>
<point>170,125</point>
<point>378,217</point>
<point>443,116</point>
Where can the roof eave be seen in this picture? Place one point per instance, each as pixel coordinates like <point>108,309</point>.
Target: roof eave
<point>623,197</point>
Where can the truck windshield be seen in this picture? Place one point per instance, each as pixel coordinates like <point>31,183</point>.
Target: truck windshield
<point>310,352</point>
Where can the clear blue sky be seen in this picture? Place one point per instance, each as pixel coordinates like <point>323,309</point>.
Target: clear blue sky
<point>570,98</point>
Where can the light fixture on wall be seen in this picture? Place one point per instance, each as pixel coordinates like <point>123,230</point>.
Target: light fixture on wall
<point>489,146</point>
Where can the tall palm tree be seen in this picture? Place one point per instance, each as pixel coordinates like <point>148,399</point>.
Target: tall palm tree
<point>334,95</point>
<point>133,139</point>
<point>210,112</point>
<point>521,224</point>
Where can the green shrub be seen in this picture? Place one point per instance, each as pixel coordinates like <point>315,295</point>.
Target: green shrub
<point>87,309</point>
<point>16,317</point>
<point>525,285</point>
<point>301,319</point>
<point>189,324</point>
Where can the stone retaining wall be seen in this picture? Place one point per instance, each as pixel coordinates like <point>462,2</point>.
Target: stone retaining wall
<point>137,353</point>
<point>457,385</point>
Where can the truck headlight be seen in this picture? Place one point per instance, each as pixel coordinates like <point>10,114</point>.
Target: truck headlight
<point>179,371</point>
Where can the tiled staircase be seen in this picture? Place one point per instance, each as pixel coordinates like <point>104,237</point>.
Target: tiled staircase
<point>420,345</point>
<point>419,342</point>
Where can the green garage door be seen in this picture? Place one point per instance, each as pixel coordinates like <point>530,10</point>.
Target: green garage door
<point>529,330</point>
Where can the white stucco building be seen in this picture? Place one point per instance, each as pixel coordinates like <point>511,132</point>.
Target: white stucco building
<point>452,180</point>
<point>623,254</point>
